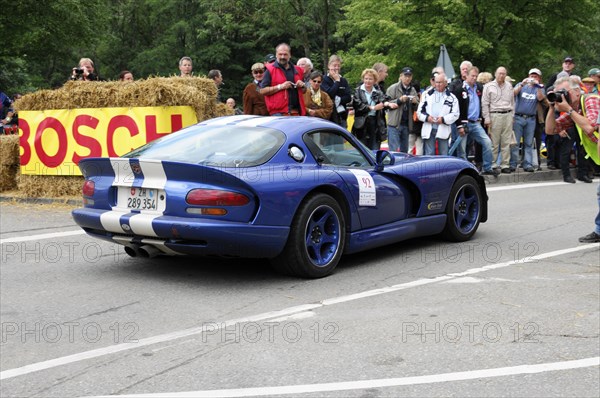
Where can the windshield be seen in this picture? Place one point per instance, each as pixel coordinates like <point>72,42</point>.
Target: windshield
<point>223,146</point>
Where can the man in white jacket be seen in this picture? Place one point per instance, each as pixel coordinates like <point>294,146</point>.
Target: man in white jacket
<point>437,110</point>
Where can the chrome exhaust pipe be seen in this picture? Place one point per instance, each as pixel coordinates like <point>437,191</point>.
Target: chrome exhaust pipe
<point>132,250</point>
<point>148,251</point>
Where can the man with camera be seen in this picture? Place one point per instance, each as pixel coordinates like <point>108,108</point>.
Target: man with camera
<point>583,112</point>
<point>283,85</point>
<point>527,94</point>
<point>403,102</point>
<point>575,119</point>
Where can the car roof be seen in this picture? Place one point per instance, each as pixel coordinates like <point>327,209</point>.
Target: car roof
<point>289,125</point>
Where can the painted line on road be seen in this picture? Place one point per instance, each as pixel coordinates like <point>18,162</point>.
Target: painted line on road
<point>81,232</point>
<point>49,235</point>
<point>376,383</point>
<point>524,186</point>
<point>213,327</point>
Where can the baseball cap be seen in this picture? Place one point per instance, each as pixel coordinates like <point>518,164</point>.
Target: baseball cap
<point>568,59</point>
<point>407,71</point>
<point>270,58</point>
<point>536,71</point>
<point>588,80</point>
<point>594,71</point>
<point>509,79</point>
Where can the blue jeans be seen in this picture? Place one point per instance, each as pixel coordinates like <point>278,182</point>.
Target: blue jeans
<point>429,144</point>
<point>454,135</point>
<point>524,127</point>
<point>476,133</point>
<point>398,138</point>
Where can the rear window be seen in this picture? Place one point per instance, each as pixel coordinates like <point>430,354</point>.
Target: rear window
<point>222,146</point>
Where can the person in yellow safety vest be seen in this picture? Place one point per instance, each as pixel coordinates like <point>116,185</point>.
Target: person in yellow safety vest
<point>583,111</point>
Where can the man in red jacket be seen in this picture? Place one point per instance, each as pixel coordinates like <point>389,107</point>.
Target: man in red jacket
<point>283,85</point>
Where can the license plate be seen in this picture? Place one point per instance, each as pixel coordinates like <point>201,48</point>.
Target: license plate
<point>141,198</point>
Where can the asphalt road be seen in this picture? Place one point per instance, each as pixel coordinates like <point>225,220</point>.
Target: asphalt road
<point>514,312</point>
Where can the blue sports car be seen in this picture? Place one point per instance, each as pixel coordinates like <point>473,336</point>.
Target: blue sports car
<point>299,191</point>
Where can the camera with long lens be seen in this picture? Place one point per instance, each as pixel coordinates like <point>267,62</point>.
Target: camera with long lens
<point>558,95</point>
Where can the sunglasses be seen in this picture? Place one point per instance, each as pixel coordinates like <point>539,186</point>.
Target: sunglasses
<point>258,71</point>
<point>317,81</point>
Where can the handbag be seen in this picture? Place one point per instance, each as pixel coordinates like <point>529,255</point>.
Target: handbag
<point>513,139</point>
<point>359,122</point>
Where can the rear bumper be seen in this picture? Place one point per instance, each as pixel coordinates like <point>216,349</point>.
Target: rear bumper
<point>192,236</point>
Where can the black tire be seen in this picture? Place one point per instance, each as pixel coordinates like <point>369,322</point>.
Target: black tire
<point>463,210</point>
<point>316,241</point>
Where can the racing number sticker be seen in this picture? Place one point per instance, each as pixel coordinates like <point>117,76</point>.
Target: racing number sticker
<point>366,188</point>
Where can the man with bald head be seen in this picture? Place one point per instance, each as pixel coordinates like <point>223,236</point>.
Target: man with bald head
<point>498,103</point>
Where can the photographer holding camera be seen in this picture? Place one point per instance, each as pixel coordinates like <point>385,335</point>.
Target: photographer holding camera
<point>578,111</point>
<point>527,95</point>
<point>573,117</point>
<point>84,71</point>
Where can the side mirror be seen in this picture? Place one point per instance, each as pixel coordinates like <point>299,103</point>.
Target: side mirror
<point>383,158</point>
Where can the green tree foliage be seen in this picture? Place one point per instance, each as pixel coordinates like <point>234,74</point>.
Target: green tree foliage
<point>520,34</point>
<point>42,42</point>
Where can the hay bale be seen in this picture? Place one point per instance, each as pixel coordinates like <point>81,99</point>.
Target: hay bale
<point>49,186</point>
<point>9,149</point>
<point>9,162</point>
<point>198,92</point>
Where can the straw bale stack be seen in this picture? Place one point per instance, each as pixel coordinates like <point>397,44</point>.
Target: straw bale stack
<point>199,93</point>
<point>9,161</point>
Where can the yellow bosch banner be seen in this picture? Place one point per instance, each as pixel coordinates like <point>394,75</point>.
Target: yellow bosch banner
<point>54,141</point>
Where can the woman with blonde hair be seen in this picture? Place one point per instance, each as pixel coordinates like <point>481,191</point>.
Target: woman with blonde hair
<point>484,77</point>
<point>369,115</point>
<point>85,70</point>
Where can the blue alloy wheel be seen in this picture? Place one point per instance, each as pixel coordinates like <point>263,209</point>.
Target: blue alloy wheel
<point>322,235</point>
<point>316,241</point>
<point>463,210</point>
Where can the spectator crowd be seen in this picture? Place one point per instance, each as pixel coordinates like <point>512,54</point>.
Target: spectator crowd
<point>499,123</point>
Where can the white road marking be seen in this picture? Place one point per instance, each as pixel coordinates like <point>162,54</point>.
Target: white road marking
<point>49,235</point>
<point>52,363</point>
<point>376,383</point>
<point>523,186</point>
<point>81,232</point>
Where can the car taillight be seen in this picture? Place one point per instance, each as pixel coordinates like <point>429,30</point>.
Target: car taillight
<point>215,197</point>
<point>88,188</point>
